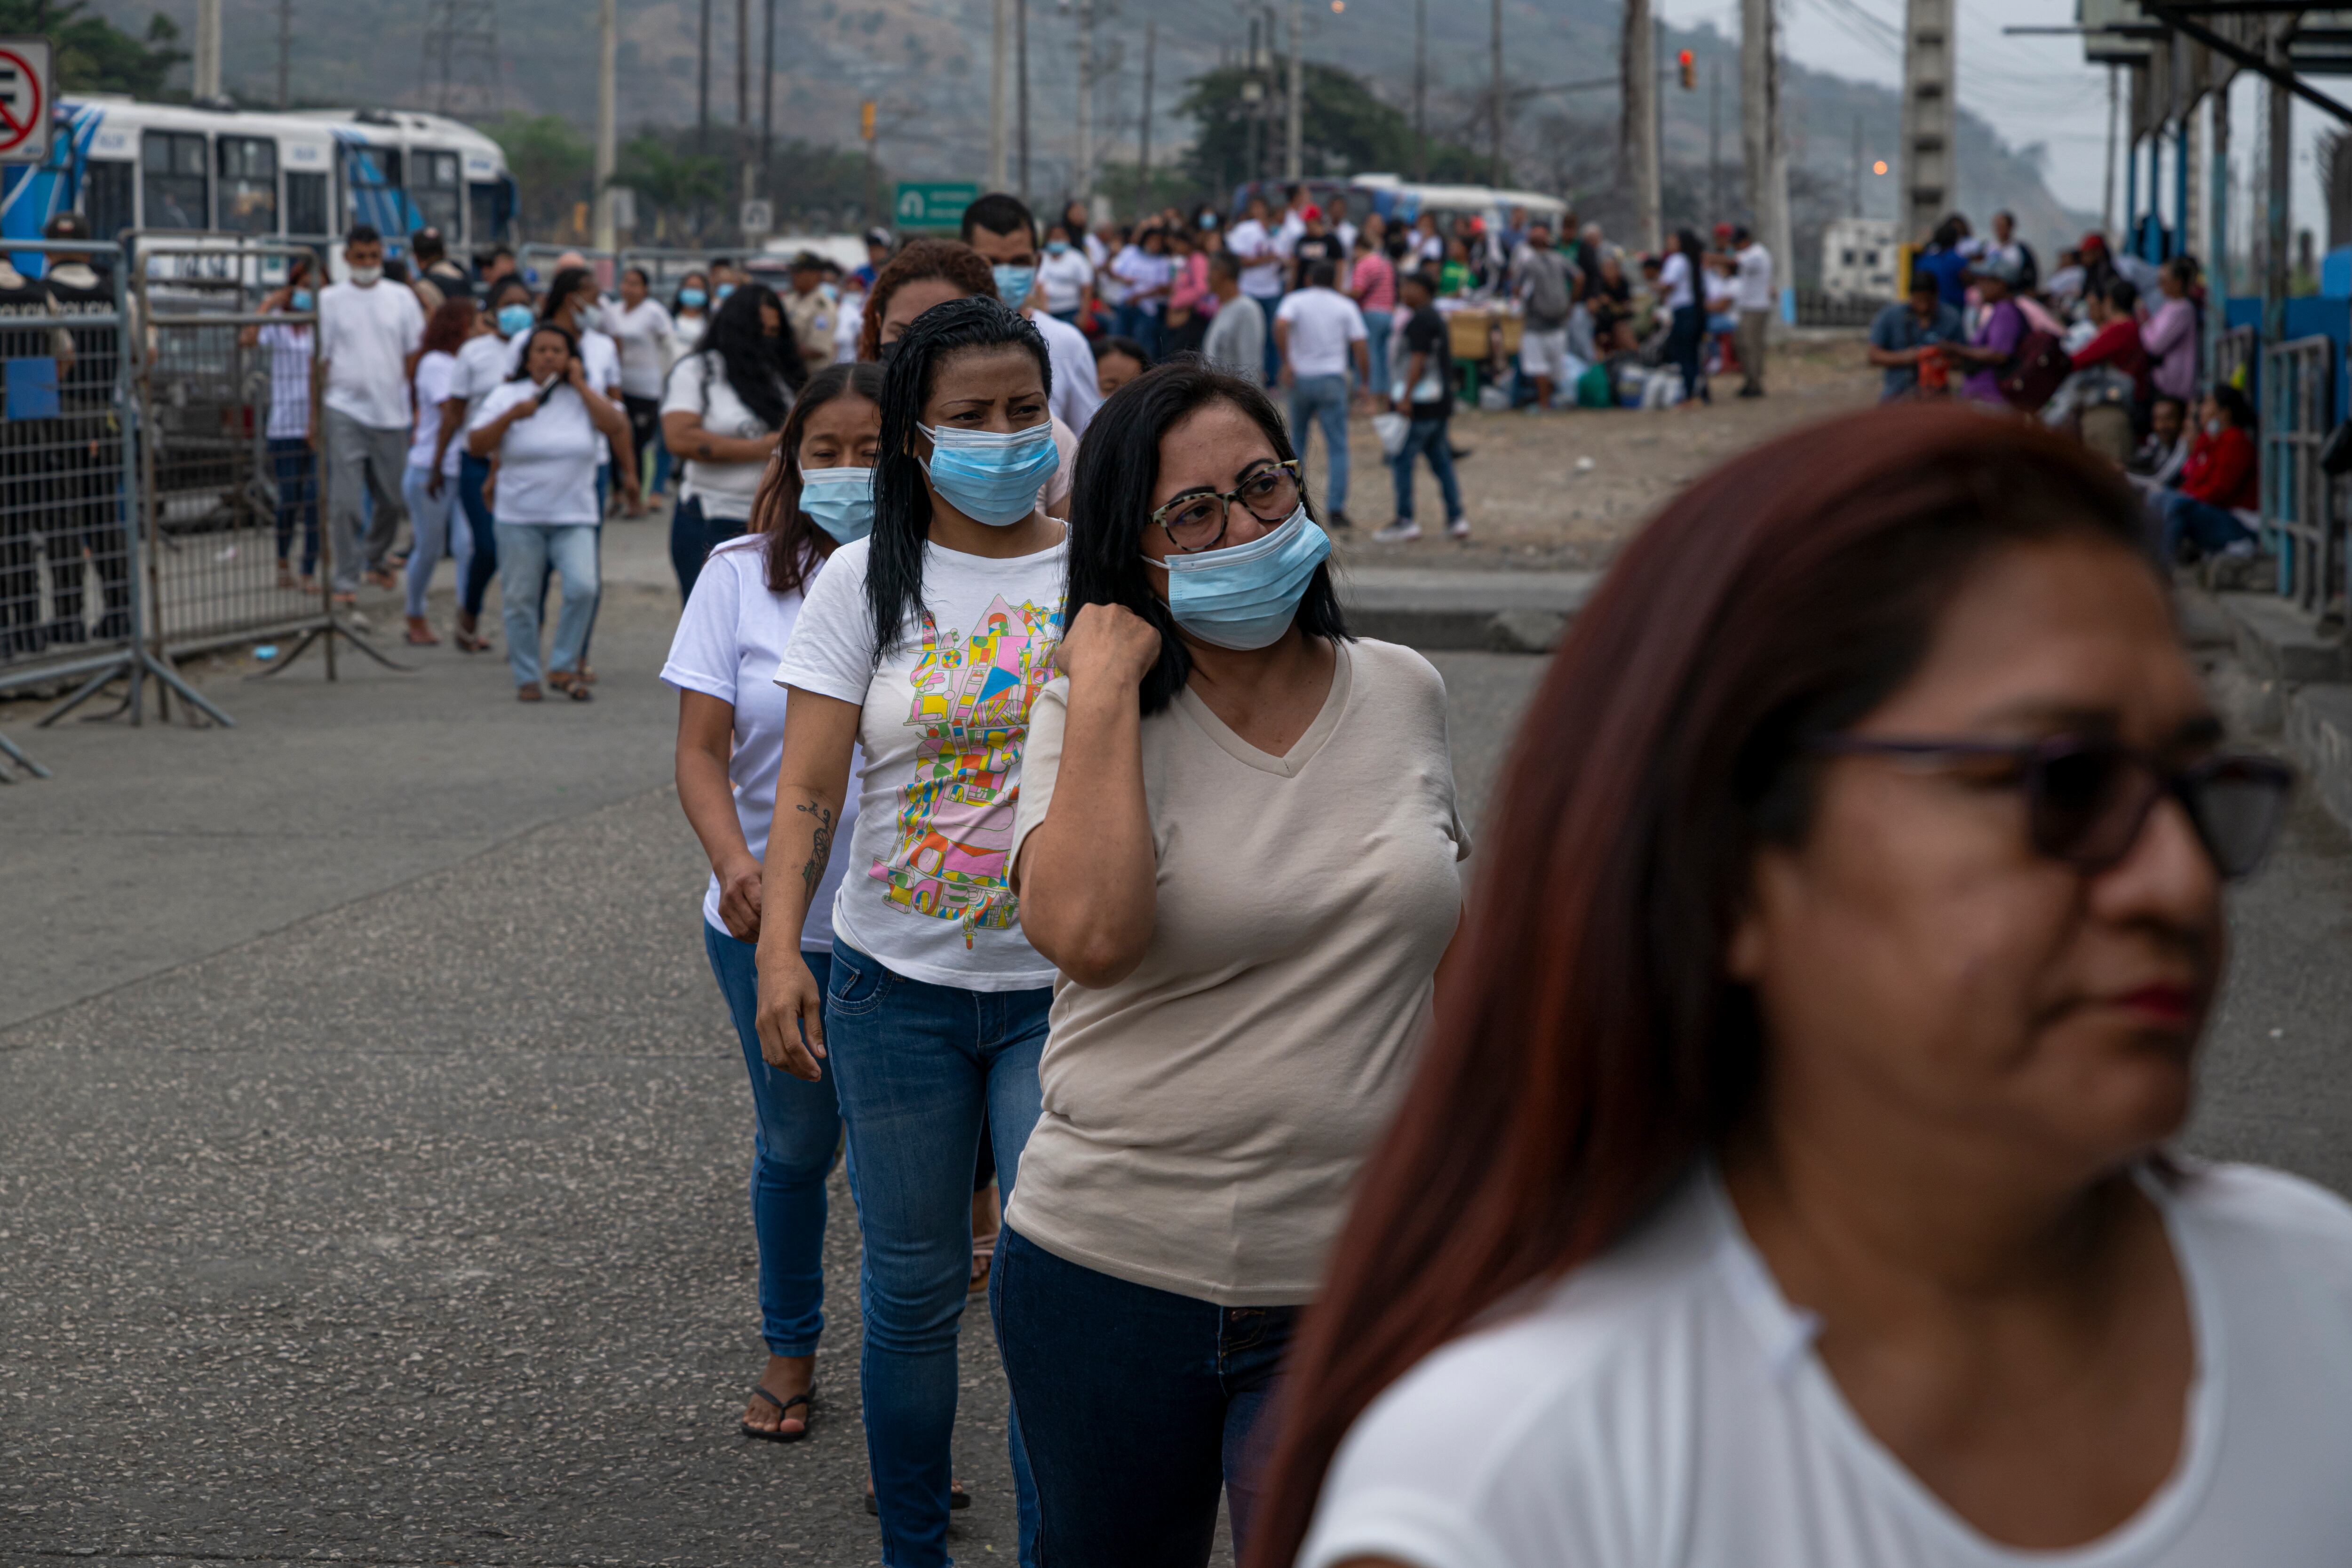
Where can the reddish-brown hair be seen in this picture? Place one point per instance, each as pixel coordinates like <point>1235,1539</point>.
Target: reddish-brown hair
<point>951,259</point>
<point>451,325</point>
<point>1590,1047</point>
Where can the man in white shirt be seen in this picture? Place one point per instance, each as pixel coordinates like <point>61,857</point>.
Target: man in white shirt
<point>1011,251</point>
<point>1756,299</point>
<point>1320,331</point>
<point>369,336</point>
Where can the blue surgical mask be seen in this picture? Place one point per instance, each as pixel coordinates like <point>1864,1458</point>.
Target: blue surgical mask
<point>991,478</point>
<point>301,300</point>
<point>692,299</point>
<point>725,290</point>
<point>1246,596</point>
<point>1056,247</point>
<point>513,319</point>
<point>1014,283</point>
<point>839,501</point>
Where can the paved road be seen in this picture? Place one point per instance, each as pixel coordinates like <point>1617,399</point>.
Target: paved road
<point>373,1141</point>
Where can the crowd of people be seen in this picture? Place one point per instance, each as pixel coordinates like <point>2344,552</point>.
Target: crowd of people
<point>2105,347</point>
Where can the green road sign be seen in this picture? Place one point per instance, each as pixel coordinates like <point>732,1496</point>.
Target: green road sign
<point>933,204</point>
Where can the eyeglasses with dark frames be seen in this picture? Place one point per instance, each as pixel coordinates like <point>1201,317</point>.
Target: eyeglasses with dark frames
<point>2087,799</point>
<point>1197,522</point>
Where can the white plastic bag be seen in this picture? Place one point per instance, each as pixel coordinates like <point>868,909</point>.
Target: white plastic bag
<point>1390,428</point>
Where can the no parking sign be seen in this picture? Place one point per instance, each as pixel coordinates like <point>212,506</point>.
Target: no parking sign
<point>25,99</point>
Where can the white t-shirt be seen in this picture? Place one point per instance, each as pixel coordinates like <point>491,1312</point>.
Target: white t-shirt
<point>1146,274</point>
<point>1755,265</point>
<point>729,641</point>
<point>547,462</point>
<point>1065,278</point>
<point>1076,393</point>
<point>290,381</point>
<point>699,384</point>
<point>1722,293</point>
<point>1665,1405</point>
<point>600,359</point>
<point>366,335</point>
<point>943,720</point>
<point>643,334</point>
<point>434,373</point>
<point>1323,322</point>
<point>1675,281</point>
<point>1204,1118</point>
<point>483,364</point>
<point>1260,278</point>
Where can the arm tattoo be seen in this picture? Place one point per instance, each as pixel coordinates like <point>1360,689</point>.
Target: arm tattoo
<point>813,872</point>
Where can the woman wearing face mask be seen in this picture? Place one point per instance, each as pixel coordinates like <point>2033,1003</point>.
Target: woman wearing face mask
<point>484,364</point>
<point>931,273</point>
<point>1067,275</point>
<point>547,428</point>
<point>818,496</point>
<point>1786,1183</point>
<point>642,329</point>
<point>722,413</point>
<point>293,458</point>
<point>689,318</point>
<point>924,643</point>
<point>574,304</point>
<point>1221,1062</point>
<point>430,486</point>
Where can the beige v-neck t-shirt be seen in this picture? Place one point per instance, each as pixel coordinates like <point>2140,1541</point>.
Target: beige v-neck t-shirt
<point>1204,1118</point>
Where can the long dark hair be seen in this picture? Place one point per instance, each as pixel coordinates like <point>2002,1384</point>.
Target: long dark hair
<point>902,504</point>
<point>566,284</point>
<point>1111,507</point>
<point>764,371</point>
<point>793,542</point>
<point>1589,1048</point>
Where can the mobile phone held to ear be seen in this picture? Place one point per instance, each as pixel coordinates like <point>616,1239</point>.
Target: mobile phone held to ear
<point>548,391</point>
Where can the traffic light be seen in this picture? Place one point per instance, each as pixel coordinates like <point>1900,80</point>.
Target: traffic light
<point>865,120</point>
<point>1689,68</point>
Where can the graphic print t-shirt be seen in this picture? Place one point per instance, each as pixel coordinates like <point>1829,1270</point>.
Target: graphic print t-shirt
<point>942,722</point>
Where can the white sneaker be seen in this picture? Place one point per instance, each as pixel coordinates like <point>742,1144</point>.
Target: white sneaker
<point>1398,533</point>
<point>1458,529</point>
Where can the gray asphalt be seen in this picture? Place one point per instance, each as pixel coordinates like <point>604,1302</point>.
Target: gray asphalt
<point>373,1141</point>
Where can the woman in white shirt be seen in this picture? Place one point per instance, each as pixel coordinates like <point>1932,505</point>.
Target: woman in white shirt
<point>642,327</point>
<point>1785,1182</point>
<point>1066,275</point>
<point>818,496</point>
<point>548,429</point>
<point>722,413</point>
<point>1678,295</point>
<point>1237,842</point>
<point>429,486</point>
<point>483,365</point>
<point>924,645</point>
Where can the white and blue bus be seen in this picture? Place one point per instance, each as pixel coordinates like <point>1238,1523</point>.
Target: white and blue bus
<point>299,177</point>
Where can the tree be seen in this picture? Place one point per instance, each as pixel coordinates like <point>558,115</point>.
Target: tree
<point>676,190</point>
<point>92,54</point>
<point>1345,130</point>
<point>552,165</point>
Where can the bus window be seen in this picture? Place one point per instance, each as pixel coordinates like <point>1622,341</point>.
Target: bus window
<point>248,185</point>
<point>173,177</point>
<point>434,191</point>
<point>106,185</point>
<point>486,213</point>
<point>306,203</point>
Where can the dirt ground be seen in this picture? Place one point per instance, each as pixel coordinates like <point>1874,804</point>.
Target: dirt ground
<point>1531,503</point>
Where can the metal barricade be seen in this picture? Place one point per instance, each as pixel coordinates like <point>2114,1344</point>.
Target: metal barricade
<point>2298,504</point>
<point>664,269</point>
<point>2233,359</point>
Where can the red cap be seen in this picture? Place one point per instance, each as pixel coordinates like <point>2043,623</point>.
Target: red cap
<point>1311,213</point>
<point>1723,231</point>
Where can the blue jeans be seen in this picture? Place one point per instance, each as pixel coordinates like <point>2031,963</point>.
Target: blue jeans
<point>439,525</point>
<point>1137,1405</point>
<point>1685,340</point>
<point>1428,439</point>
<point>296,468</point>
<point>796,1129</point>
<point>1323,399</point>
<point>1376,349</point>
<point>472,474</point>
<point>526,551</point>
<point>1268,303</point>
<point>917,1066</point>
<point>2211,528</point>
<point>692,538</point>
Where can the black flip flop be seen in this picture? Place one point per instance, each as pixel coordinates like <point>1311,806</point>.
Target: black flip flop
<point>783,1413</point>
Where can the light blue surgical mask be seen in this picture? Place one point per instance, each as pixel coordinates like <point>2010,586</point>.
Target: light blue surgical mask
<point>1014,283</point>
<point>1056,247</point>
<point>513,319</point>
<point>839,501</point>
<point>989,477</point>
<point>1245,596</point>
<point>692,299</point>
<point>725,290</point>
<point>301,300</point>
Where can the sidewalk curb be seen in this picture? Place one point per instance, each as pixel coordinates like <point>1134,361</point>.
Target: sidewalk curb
<point>1457,611</point>
<point>2302,671</point>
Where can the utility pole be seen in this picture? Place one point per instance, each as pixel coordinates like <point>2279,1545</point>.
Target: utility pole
<point>1083,182</point>
<point>1766,144</point>
<point>285,53</point>
<point>207,64</point>
<point>702,88</point>
<point>1293,161</point>
<point>1421,89</point>
<point>1857,167</point>
<point>1637,132</point>
<point>1928,82</point>
<point>2281,194</point>
<point>1020,70</point>
<point>1143,152</point>
<point>1715,138</point>
<point>608,54</point>
<point>996,41</point>
<point>743,99</point>
<point>1494,99</point>
<point>767,97</point>
<point>2217,215</point>
<point>1252,106</point>
<point>2107,209</point>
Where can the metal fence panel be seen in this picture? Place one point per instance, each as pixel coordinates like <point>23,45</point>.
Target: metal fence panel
<point>1816,309</point>
<point>2298,504</point>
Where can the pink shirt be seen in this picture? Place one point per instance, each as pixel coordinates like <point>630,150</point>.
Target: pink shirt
<point>1375,283</point>
<point>2169,337</point>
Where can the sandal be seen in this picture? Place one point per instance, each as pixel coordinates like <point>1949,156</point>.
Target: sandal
<point>420,633</point>
<point>571,686</point>
<point>529,691</point>
<point>783,1413</point>
<point>984,1255</point>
